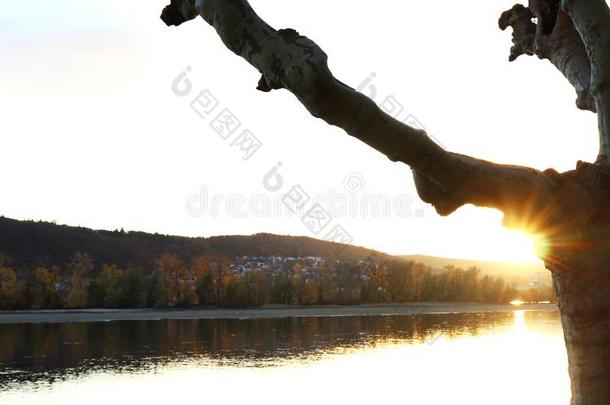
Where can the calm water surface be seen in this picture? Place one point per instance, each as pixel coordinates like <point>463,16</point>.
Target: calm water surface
<point>503,358</point>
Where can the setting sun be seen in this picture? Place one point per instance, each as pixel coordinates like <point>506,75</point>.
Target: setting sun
<point>519,246</point>
<point>501,244</point>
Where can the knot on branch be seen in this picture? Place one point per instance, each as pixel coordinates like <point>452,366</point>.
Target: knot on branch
<point>171,14</point>
<point>443,201</point>
<point>263,85</point>
<point>296,63</point>
<point>289,35</point>
<point>585,101</point>
<point>178,12</point>
<point>524,30</point>
<point>274,81</point>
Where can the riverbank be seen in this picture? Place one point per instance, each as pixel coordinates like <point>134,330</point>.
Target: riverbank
<point>106,315</point>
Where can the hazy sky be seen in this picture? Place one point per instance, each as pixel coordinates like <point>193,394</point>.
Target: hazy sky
<point>92,133</point>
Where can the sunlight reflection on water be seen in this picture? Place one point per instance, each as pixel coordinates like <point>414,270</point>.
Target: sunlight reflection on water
<point>512,358</point>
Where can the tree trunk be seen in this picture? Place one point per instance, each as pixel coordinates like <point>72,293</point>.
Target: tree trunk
<point>576,231</point>
<point>584,301</point>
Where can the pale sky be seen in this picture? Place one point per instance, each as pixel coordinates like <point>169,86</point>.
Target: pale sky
<point>93,135</point>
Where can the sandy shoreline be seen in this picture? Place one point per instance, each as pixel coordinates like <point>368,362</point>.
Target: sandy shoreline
<point>105,315</point>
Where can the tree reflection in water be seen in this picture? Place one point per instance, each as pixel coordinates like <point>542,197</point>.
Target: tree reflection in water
<point>50,352</point>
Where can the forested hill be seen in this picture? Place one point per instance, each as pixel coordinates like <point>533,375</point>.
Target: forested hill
<point>44,265</point>
<point>31,244</point>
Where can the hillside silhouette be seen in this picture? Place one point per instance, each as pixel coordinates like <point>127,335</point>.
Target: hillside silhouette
<point>32,244</point>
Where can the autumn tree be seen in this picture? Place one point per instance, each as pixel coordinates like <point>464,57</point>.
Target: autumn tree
<point>253,289</point>
<point>231,291</point>
<point>204,281</point>
<point>569,209</point>
<point>111,285</point>
<point>9,288</point>
<point>309,292</point>
<point>157,290</point>
<point>79,268</point>
<point>327,290</point>
<point>282,289</point>
<point>376,283</point>
<point>348,279</point>
<point>134,289</point>
<point>419,274</point>
<point>179,281</point>
<point>401,281</point>
<point>471,284</point>
<point>45,294</point>
<point>539,294</point>
<point>212,274</point>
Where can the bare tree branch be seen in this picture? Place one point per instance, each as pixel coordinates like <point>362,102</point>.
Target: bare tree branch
<point>592,20</point>
<point>570,210</point>
<point>293,62</point>
<point>553,37</point>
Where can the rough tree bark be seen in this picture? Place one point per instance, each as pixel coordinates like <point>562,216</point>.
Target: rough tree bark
<point>571,210</point>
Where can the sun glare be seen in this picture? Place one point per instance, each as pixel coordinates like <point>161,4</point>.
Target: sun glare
<point>514,247</point>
